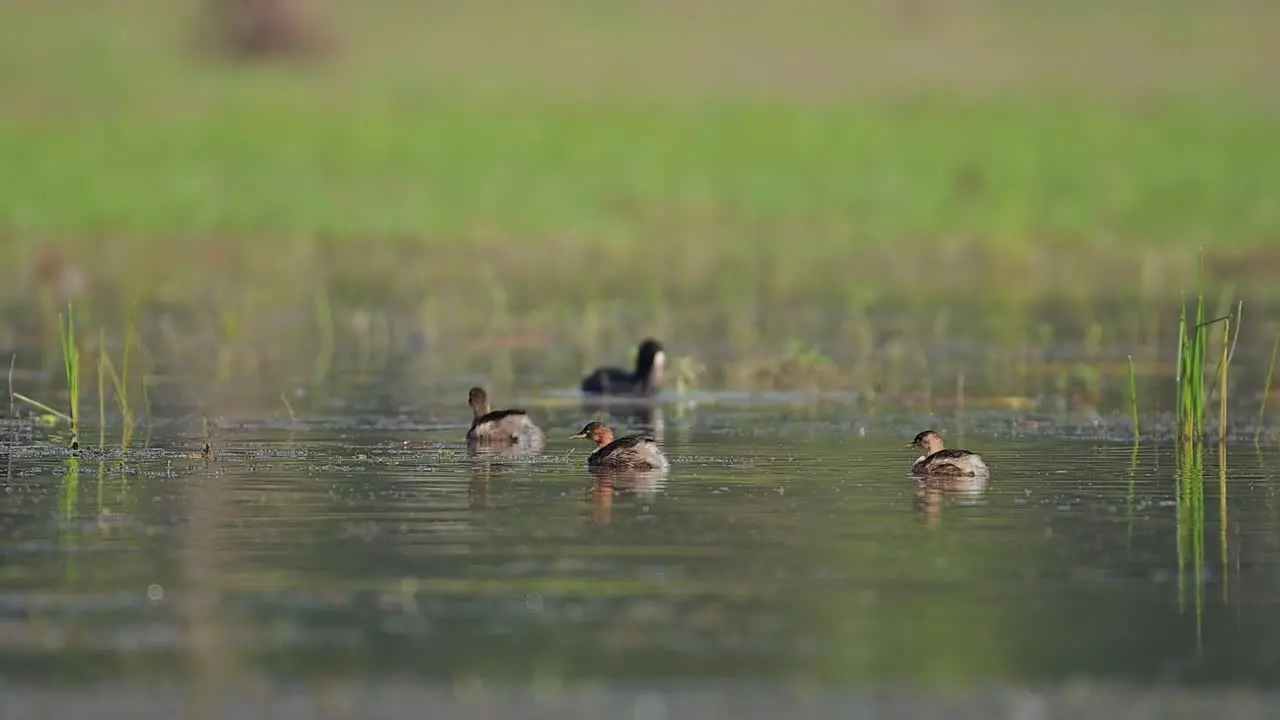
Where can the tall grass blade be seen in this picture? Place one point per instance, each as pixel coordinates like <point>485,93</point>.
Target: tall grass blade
<point>1133,400</point>
<point>121,381</point>
<point>102,382</point>
<point>325,327</point>
<point>1224,363</point>
<point>1132,496</point>
<point>1266,391</point>
<point>146,404</point>
<point>68,505</point>
<point>1223,519</point>
<point>1201,335</point>
<point>71,365</point>
<point>1190,528</point>
<point>1180,374</point>
<point>37,404</point>
<point>288,406</point>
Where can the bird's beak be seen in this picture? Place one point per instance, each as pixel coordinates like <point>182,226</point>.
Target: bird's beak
<point>579,435</point>
<point>909,445</point>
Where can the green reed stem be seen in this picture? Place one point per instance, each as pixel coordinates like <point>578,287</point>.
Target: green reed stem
<point>1192,349</point>
<point>1184,358</point>
<point>146,401</point>
<point>71,365</point>
<point>122,381</point>
<point>68,504</point>
<point>1133,399</point>
<point>1223,520</point>
<point>1132,495</point>
<point>41,406</point>
<point>102,382</point>
<point>1190,526</point>
<point>1271,371</point>
<point>293,417</point>
<point>324,323</point>
<point>1224,363</point>
<point>122,400</point>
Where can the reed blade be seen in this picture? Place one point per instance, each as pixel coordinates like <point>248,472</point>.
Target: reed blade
<point>1266,391</point>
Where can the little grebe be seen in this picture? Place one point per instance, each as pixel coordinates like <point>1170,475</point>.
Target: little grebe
<point>646,380</point>
<point>638,452</point>
<point>500,426</point>
<point>938,460</point>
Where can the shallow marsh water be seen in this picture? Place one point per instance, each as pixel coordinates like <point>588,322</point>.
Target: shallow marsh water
<point>370,564</point>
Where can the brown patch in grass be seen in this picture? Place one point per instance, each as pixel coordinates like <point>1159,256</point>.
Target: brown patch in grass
<point>259,29</point>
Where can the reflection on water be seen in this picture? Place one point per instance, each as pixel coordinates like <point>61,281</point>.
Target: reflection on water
<point>638,414</point>
<point>933,492</point>
<point>637,485</point>
<point>777,549</point>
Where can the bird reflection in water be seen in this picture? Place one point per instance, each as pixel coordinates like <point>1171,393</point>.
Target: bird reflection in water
<point>933,493</point>
<point>607,483</point>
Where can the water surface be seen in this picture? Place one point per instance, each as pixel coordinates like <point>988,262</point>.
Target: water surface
<point>786,548</point>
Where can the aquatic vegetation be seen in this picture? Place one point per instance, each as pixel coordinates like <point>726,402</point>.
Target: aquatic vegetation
<point>102,393</point>
<point>119,382</point>
<point>324,325</point>
<point>1190,377</point>
<point>802,367</point>
<point>71,362</point>
<point>1266,389</point>
<point>71,366</point>
<point>1133,400</point>
<point>1190,500</point>
<point>1192,391</point>
<point>288,406</point>
<point>68,506</point>
<point>13,416</point>
<point>1131,473</point>
<point>146,402</point>
<point>1223,522</point>
<point>1192,401</point>
<point>1224,365</point>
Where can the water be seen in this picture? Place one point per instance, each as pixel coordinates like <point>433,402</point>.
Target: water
<point>369,564</point>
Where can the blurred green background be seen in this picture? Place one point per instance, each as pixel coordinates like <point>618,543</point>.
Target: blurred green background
<point>572,125</point>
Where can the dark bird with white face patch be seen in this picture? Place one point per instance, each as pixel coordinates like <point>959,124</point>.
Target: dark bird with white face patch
<point>646,379</point>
